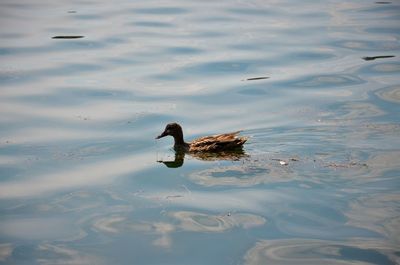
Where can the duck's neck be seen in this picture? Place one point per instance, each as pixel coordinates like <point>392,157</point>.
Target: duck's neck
<point>179,142</point>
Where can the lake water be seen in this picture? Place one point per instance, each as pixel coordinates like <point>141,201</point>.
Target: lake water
<point>315,87</point>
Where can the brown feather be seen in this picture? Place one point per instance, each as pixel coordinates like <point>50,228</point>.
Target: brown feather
<point>217,142</point>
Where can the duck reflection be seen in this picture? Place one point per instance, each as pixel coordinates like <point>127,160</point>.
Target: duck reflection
<point>177,162</point>
<point>231,155</point>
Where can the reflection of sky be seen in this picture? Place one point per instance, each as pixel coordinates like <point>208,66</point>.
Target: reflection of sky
<point>53,254</point>
<point>5,251</point>
<point>37,228</point>
<point>377,213</point>
<point>79,182</point>
<point>93,174</point>
<point>301,251</point>
<point>188,221</point>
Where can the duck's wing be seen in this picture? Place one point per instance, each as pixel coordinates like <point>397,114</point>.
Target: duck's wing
<point>218,142</point>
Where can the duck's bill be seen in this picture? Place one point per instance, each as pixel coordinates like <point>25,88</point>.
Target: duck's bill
<point>161,135</point>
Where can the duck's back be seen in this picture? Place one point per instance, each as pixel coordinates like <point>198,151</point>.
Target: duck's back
<point>220,142</point>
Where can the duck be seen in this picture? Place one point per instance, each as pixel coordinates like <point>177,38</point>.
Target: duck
<point>208,144</point>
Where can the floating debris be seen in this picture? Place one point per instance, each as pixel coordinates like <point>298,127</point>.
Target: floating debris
<point>283,163</point>
<point>256,78</point>
<point>72,11</point>
<point>371,58</point>
<point>383,2</point>
<point>346,165</point>
<point>82,117</point>
<point>68,37</point>
<point>174,196</point>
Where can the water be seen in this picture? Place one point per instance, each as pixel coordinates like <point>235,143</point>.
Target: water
<point>80,181</point>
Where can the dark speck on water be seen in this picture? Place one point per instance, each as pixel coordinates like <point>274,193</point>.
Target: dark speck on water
<point>257,78</point>
<point>68,37</point>
<point>371,58</point>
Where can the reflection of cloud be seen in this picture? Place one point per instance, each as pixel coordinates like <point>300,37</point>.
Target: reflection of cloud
<point>386,68</point>
<point>391,94</point>
<point>54,255</point>
<point>381,162</point>
<point>5,251</point>
<point>309,251</point>
<point>51,134</point>
<point>188,221</point>
<point>385,160</point>
<point>200,222</point>
<point>357,110</point>
<point>108,224</point>
<point>7,160</point>
<point>234,200</point>
<point>92,174</point>
<point>99,111</point>
<point>379,213</point>
<point>117,224</point>
<point>83,200</point>
<point>164,229</point>
<point>38,228</point>
<point>329,80</point>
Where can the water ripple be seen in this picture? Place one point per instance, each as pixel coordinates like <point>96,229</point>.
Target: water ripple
<point>184,50</point>
<point>251,11</point>
<point>381,68</point>
<point>309,251</point>
<point>153,24</point>
<point>319,183</point>
<point>60,46</point>
<point>66,69</point>
<point>371,45</point>
<point>334,80</point>
<point>166,10</point>
<point>391,94</point>
<point>199,222</point>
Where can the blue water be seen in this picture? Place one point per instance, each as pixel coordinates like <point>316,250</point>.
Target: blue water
<point>80,181</point>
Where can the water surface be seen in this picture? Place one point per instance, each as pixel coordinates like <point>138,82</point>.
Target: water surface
<point>85,86</point>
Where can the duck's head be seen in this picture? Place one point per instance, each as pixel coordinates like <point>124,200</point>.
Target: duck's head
<point>172,129</point>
